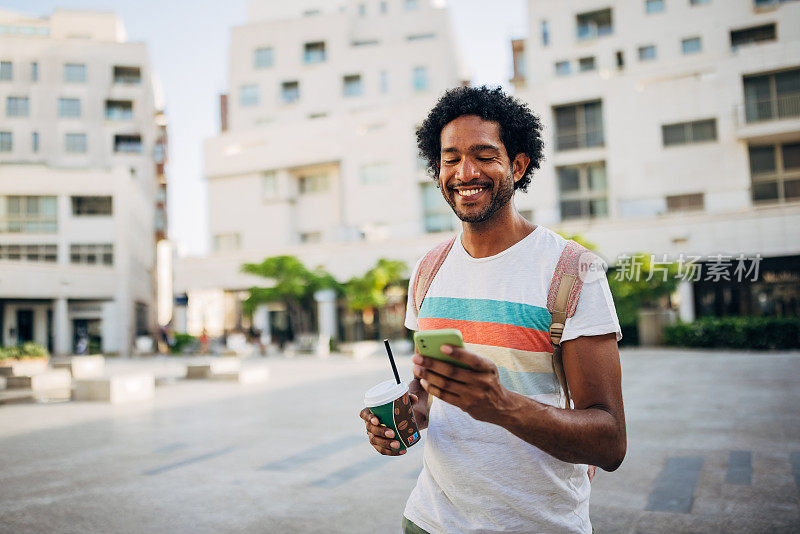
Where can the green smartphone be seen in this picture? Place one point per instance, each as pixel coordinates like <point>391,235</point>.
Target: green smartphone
<point>429,343</point>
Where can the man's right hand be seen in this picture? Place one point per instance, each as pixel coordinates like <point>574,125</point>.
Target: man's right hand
<point>381,437</point>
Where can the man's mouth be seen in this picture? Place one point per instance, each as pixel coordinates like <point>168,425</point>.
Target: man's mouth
<point>471,192</point>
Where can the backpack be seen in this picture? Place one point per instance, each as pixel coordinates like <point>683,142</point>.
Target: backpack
<point>562,299</point>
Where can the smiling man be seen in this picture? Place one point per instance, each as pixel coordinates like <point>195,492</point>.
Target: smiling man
<point>503,454</point>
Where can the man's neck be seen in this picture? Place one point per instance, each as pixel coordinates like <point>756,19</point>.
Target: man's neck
<point>491,237</point>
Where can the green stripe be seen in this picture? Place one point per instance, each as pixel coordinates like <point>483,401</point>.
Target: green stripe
<point>487,311</point>
<point>529,383</point>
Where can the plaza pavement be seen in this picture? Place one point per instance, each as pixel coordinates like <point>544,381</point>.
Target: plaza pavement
<point>713,446</point>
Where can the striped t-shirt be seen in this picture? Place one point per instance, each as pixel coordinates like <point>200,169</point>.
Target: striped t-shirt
<point>478,477</point>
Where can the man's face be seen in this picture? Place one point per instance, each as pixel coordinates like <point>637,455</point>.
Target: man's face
<point>475,173</point>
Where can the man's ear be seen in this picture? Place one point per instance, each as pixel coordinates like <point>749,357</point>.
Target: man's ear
<point>520,165</point>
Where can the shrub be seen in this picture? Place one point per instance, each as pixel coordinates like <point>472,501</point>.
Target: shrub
<point>755,333</point>
<point>27,350</point>
<point>182,341</point>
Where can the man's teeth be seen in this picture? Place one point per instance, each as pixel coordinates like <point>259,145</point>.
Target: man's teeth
<point>468,192</point>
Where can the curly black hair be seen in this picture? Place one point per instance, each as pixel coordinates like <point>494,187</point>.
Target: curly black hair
<point>520,129</point>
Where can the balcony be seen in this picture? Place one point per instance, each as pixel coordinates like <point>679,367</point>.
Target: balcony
<point>767,117</point>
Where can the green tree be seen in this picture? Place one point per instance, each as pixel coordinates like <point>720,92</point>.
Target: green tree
<point>368,294</point>
<point>293,284</point>
<point>637,283</point>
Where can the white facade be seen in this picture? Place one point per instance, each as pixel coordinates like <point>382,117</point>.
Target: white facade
<point>78,182</point>
<point>329,164</point>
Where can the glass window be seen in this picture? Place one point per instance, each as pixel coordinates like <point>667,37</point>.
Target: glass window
<point>569,179</point>
<point>118,110</point>
<point>92,254</point>
<point>420,78</point>
<point>362,10</point>
<point>35,142</point>
<point>594,24</point>
<point>127,75</point>
<point>6,71</point>
<point>384,81</point>
<point>791,156</point>
<point>313,183</point>
<point>352,85</point>
<point>620,59</point>
<point>583,191</point>
<point>75,142</point>
<point>226,242</point>
<point>6,142</point>
<point>545,33</point>
<point>34,71</point>
<point>91,205</point>
<point>375,173</point>
<point>689,132</point>
<point>562,68</point>
<point>41,253</point>
<point>411,5</point>
<point>438,217</point>
<point>314,52</point>
<point>704,130</point>
<point>654,6</point>
<point>269,186</point>
<point>772,96</point>
<point>290,92</point>
<point>762,159</point>
<point>775,172</point>
<point>756,34</point>
<point>579,126</point>
<point>17,106</point>
<point>691,45</point>
<point>384,8</point>
<point>74,73</point>
<point>690,202</point>
<point>263,58</point>
<point>248,96</point>
<point>698,2</point>
<point>647,53</point>
<point>586,63</point>
<point>69,107</point>
<point>129,144</point>
<point>28,214</point>
<point>420,36</point>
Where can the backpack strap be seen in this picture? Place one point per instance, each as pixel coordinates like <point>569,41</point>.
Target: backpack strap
<point>562,299</point>
<point>427,270</point>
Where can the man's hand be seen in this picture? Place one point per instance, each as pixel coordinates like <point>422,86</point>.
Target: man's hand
<point>383,438</point>
<point>477,391</point>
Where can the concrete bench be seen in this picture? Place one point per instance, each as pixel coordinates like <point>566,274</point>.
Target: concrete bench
<point>48,380</point>
<point>116,389</point>
<point>83,366</point>
<point>24,368</point>
<point>213,367</point>
<point>245,375</point>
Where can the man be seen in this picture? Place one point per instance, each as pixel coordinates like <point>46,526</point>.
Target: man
<point>501,455</point>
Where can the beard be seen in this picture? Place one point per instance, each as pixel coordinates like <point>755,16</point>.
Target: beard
<point>499,198</point>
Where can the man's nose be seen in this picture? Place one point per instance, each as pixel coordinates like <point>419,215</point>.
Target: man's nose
<point>466,170</point>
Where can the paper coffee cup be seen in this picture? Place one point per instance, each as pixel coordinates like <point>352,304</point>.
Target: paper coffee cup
<point>391,404</point>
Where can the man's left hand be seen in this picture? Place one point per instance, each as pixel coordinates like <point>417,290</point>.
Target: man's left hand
<point>477,391</point>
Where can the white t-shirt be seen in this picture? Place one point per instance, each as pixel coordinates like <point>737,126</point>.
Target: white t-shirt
<point>479,477</point>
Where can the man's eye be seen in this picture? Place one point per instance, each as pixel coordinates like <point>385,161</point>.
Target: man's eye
<point>485,159</point>
<point>451,161</point>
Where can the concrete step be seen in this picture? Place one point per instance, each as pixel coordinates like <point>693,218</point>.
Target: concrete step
<point>83,366</point>
<point>19,396</point>
<point>24,368</point>
<point>52,379</point>
<point>213,367</point>
<point>245,375</point>
<point>116,389</point>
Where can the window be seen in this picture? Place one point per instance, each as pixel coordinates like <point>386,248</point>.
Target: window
<point>6,142</point>
<point>545,26</point>
<point>647,53</point>
<point>420,36</point>
<point>752,35</point>
<point>420,77</point>
<point>75,73</point>
<point>690,202</point>
<point>248,96</point>
<point>6,71</point>
<point>772,96</point>
<point>34,72</point>
<point>34,141</point>
<point>411,5</point>
<point>620,60</point>
<point>594,24</point>
<point>91,254</point>
<point>314,52</point>
<point>69,108</point>
<point>263,58</point>
<point>28,214</point>
<point>362,10</point>
<point>583,191</point>
<point>91,206</point>
<point>653,6</point>
<point>75,143</point>
<point>579,126</point>
<point>269,186</point>
<point>367,42</point>
<point>698,2</point>
<point>119,110</point>
<point>352,85</point>
<point>691,45</point>
<point>437,214</point>
<point>129,144</point>
<point>775,172</point>
<point>689,132</point>
<point>34,253</point>
<point>127,75</point>
<point>312,183</point>
<point>375,173</point>
<point>586,63</point>
<point>384,8</point>
<point>311,237</point>
<point>290,92</point>
<point>562,68</point>
<point>17,106</point>
<point>384,81</point>
<point>226,242</point>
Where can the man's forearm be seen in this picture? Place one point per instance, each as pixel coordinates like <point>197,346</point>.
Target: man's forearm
<point>592,435</point>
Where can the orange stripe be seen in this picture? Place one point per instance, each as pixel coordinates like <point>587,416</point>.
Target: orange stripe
<point>494,334</point>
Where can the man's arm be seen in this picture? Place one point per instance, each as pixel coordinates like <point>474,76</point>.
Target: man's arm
<point>592,433</point>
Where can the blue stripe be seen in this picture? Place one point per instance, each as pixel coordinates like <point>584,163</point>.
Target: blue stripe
<point>526,383</point>
<point>487,311</point>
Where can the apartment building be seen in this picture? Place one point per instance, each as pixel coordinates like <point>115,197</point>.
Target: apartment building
<point>673,127</point>
<point>318,158</point>
<point>82,184</point>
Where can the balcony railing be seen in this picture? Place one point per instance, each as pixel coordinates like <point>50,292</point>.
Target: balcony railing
<point>765,109</point>
<point>572,139</point>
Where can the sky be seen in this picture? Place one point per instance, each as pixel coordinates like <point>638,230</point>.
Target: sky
<point>188,45</point>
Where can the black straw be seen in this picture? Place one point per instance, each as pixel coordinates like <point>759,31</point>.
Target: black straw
<point>391,360</point>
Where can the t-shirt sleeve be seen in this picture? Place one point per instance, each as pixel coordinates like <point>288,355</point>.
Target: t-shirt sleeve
<point>411,313</point>
<point>595,314</point>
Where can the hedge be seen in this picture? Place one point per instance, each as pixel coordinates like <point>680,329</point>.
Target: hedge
<point>755,333</point>
<point>27,350</point>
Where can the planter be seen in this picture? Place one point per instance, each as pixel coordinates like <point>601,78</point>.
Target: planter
<point>651,326</point>
<point>22,366</point>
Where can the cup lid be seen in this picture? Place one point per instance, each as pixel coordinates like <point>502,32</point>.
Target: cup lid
<point>384,392</point>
